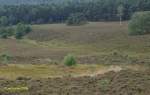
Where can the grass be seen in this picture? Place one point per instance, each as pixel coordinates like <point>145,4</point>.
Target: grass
<point>99,35</point>
<point>14,89</point>
<point>13,71</point>
<point>39,57</point>
<point>95,38</point>
<point>91,43</point>
<point>54,41</point>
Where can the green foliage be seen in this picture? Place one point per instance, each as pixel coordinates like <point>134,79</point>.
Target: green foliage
<point>4,21</point>
<point>76,19</point>
<point>22,30</point>
<point>56,11</point>
<point>19,31</point>
<point>6,32</point>
<point>140,23</point>
<point>5,57</point>
<point>69,60</point>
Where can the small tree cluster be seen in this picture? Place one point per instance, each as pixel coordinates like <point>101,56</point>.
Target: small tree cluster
<point>76,19</point>
<point>6,32</point>
<point>22,30</point>
<point>140,23</point>
<point>18,31</point>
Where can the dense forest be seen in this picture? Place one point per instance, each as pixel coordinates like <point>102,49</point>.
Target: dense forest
<point>54,11</point>
<point>30,2</point>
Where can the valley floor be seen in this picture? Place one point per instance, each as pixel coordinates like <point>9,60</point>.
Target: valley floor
<point>109,61</point>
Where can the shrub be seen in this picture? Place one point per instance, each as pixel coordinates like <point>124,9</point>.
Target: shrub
<point>76,19</point>
<point>4,21</point>
<point>69,60</point>
<point>3,33</point>
<point>5,57</point>
<point>22,30</point>
<point>6,32</point>
<point>140,23</point>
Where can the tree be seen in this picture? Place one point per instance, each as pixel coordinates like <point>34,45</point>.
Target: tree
<point>140,23</point>
<point>3,33</point>
<point>52,12</point>
<point>21,30</point>
<point>76,19</point>
<point>6,32</point>
<point>120,11</point>
<point>4,21</point>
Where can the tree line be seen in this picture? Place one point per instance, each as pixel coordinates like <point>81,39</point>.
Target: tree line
<point>93,10</point>
<point>31,2</point>
<point>18,31</point>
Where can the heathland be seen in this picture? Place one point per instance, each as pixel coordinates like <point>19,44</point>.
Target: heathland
<point>109,61</point>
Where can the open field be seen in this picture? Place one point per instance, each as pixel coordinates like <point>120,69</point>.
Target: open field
<point>110,62</point>
<point>96,42</point>
<point>74,47</point>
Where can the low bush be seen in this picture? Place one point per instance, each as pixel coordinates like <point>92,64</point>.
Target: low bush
<point>5,57</point>
<point>69,60</point>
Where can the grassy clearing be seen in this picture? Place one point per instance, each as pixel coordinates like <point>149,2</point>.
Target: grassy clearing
<point>12,71</point>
